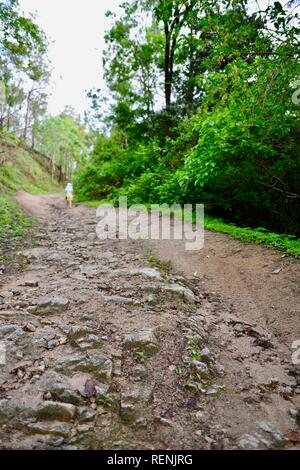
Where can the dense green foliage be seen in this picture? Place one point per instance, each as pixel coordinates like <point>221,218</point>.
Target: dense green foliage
<point>19,170</point>
<point>228,130</point>
<point>63,139</point>
<point>13,224</point>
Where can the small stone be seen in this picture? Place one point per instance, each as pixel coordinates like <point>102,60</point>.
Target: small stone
<point>29,327</point>
<point>277,271</point>
<point>85,415</point>
<point>94,362</point>
<point>144,341</point>
<point>49,305</point>
<point>201,369</point>
<point>207,356</point>
<point>41,367</point>
<point>21,304</point>
<point>56,429</point>
<point>144,272</point>
<point>134,405</point>
<point>79,331</point>
<point>84,338</point>
<point>220,369</point>
<point>31,283</point>
<point>62,340</point>
<point>216,445</point>
<point>9,409</point>
<point>101,392</point>
<point>117,299</point>
<point>150,299</point>
<point>89,388</point>
<point>163,421</point>
<point>54,411</point>
<point>214,390</point>
<point>117,367</point>
<point>140,372</point>
<point>253,442</point>
<point>7,330</point>
<point>84,429</point>
<point>278,439</point>
<point>103,286</point>
<point>58,442</point>
<point>286,392</point>
<point>179,290</point>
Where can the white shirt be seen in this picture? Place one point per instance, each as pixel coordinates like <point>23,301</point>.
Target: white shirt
<point>69,190</point>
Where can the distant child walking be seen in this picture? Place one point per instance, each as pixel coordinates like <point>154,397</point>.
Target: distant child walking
<point>69,195</point>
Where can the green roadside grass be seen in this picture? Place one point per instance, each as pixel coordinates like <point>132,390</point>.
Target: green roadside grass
<point>96,204</point>
<point>25,173</point>
<point>21,171</point>
<point>13,224</point>
<point>288,244</point>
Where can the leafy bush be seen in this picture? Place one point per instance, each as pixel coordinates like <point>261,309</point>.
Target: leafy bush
<point>238,153</point>
<point>246,163</point>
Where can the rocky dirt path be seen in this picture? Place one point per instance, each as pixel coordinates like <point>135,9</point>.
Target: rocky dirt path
<point>106,348</point>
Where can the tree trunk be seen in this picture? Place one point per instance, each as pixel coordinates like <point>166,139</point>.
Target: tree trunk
<point>190,92</point>
<point>2,117</point>
<point>168,73</point>
<point>53,167</point>
<point>26,118</point>
<point>32,139</point>
<point>8,119</point>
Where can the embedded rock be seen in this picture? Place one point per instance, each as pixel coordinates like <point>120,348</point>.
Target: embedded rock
<point>93,362</point>
<point>54,411</point>
<point>49,305</point>
<point>144,340</point>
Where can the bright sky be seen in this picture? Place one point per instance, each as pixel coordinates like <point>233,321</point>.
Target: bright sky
<point>76,29</point>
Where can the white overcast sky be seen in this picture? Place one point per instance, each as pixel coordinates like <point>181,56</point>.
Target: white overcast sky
<point>76,30</point>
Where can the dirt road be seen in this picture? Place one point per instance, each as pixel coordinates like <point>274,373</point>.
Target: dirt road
<point>107,348</point>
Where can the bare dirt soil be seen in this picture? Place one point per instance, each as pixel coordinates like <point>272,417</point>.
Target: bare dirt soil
<point>109,348</point>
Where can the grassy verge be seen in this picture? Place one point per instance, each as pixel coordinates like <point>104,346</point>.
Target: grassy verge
<point>19,171</point>
<point>13,224</point>
<point>96,204</point>
<point>260,236</point>
<point>23,172</point>
<point>286,243</point>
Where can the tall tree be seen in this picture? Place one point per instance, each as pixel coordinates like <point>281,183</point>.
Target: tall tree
<point>64,139</point>
<point>174,15</point>
<point>23,47</point>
